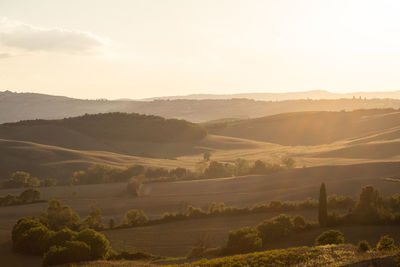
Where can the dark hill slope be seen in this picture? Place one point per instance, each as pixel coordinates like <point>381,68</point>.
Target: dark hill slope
<point>117,132</point>
<point>312,128</point>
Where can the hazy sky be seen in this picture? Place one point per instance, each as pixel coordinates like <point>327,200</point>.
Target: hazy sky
<point>136,49</point>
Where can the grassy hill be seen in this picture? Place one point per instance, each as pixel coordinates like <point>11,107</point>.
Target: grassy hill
<point>312,128</point>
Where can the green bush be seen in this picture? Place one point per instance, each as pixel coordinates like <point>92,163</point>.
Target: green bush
<point>243,240</point>
<point>386,243</point>
<point>73,251</point>
<point>275,228</point>
<point>330,237</point>
<point>33,241</point>
<point>99,245</point>
<point>23,225</point>
<point>59,238</point>
<point>364,246</point>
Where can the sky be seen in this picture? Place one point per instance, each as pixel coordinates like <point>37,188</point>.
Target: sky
<point>146,48</point>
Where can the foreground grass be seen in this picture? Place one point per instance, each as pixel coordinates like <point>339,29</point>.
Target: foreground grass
<point>329,255</point>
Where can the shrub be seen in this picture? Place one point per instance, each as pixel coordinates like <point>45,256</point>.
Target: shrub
<point>73,251</point>
<point>386,243</point>
<point>99,245</point>
<point>30,195</point>
<point>275,228</point>
<point>23,225</point>
<point>133,187</point>
<point>33,241</point>
<point>59,238</point>
<point>330,237</point>
<point>243,240</point>
<point>135,218</point>
<point>299,223</point>
<point>364,246</point>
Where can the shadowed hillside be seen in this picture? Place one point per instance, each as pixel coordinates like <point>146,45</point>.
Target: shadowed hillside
<point>118,132</point>
<point>313,128</point>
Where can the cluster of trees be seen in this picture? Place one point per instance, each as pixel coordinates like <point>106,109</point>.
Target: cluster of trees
<point>21,179</point>
<point>97,174</point>
<point>370,208</point>
<point>241,167</point>
<point>252,239</point>
<point>59,237</point>
<point>27,196</point>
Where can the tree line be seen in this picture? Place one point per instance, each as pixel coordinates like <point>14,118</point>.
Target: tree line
<point>370,208</point>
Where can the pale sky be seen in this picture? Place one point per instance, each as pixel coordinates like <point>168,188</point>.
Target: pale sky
<point>136,49</point>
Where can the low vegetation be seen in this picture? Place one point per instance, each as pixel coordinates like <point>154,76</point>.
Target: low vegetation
<point>27,196</point>
<point>328,255</point>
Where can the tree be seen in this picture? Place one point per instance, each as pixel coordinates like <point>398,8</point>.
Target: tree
<point>275,228</point>
<point>242,167</point>
<point>30,195</point>
<point>94,219</point>
<point>111,223</point>
<point>385,243</point>
<point>135,218</point>
<point>370,206</point>
<point>59,216</point>
<point>259,167</point>
<point>18,179</point>
<point>133,187</point>
<point>243,240</point>
<point>364,246</point>
<point>289,162</point>
<point>33,182</point>
<point>217,170</point>
<point>330,237</point>
<point>207,156</point>
<point>299,223</point>
<point>322,206</point>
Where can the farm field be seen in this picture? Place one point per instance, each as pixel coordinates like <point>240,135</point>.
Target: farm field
<point>161,197</point>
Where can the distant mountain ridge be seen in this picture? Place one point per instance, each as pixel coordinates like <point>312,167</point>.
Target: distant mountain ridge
<point>313,94</point>
<point>29,106</point>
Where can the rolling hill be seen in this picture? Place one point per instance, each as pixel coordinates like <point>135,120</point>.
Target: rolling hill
<point>314,128</point>
<point>116,132</point>
<point>29,106</point>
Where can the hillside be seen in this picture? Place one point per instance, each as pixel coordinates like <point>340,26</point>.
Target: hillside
<point>313,128</point>
<point>28,106</point>
<point>110,131</point>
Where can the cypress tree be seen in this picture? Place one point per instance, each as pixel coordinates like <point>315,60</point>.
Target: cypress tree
<point>323,206</point>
